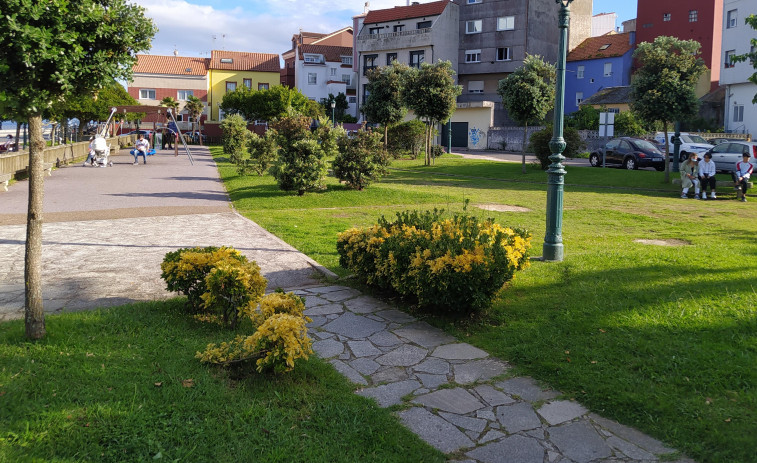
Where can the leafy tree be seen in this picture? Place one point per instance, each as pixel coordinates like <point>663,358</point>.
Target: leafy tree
<point>407,137</point>
<point>195,107</point>
<point>361,160</point>
<point>300,165</point>
<point>663,87</point>
<point>751,20</point>
<point>235,135</point>
<point>432,95</point>
<point>341,105</point>
<point>52,50</point>
<point>96,107</point>
<point>384,103</point>
<point>528,94</point>
<point>629,124</point>
<point>269,104</point>
<point>586,118</point>
<point>171,103</point>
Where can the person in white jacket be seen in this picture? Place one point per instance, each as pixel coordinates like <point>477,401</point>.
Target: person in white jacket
<point>741,176</point>
<point>707,175</point>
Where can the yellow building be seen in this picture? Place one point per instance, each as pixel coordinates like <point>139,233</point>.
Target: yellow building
<point>230,70</point>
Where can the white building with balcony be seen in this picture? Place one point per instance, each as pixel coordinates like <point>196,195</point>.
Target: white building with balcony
<point>740,113</point>
<point>411,34</point>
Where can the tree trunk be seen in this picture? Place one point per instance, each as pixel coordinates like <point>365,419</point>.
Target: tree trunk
<point>18,136</point>
<point>523,149</point>
<point>34,316</point>
<point>386,136</point>
<point>667,152</point>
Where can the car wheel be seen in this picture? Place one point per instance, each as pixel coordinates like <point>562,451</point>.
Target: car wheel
<point>594,160</point>
<point>630,164</point>
<point>660,168</point>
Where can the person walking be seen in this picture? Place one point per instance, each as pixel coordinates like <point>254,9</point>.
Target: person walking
<point>707,175</point>
<point>140,149</point>
<point>741,176</point>
<point>689,176</point>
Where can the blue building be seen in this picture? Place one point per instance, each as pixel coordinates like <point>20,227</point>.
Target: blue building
<point>597,63</point>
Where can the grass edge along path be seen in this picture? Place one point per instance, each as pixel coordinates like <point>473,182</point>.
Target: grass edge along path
<point>122,384</point>
<point>660,338</point>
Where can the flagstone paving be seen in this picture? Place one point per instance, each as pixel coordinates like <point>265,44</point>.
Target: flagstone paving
<point>458,398</point>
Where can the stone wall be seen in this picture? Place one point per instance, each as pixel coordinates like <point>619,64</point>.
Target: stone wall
<point>508,138</point>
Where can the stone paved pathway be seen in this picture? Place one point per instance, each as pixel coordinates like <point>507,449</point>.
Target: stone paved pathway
<point>455,396</point>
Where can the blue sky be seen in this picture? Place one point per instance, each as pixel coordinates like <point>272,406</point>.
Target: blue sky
<point>194,27</point>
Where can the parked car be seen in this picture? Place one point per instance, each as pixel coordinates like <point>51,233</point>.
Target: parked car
<point>726,155</point>
<point>146,132</point>
<point>690,143</point>
<point>631,153</point>
<point>717,141</point>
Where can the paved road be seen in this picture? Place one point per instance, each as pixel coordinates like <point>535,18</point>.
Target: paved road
<point>105,235</point>
<point>106,231</point>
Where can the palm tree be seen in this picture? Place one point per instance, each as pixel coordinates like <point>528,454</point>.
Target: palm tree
<point>171,103</point>
<point>195,107</point>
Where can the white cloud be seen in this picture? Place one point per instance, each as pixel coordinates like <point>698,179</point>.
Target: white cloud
<point>191,28</point>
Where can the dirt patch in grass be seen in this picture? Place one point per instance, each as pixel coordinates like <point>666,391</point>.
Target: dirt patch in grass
<point>668,242</point>
<point>502,208</point>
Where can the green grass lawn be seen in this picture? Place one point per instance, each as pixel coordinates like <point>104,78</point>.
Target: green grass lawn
<point>122,385</point>
<point>663,338</point>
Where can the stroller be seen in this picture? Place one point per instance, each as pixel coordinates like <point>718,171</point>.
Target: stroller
<point>99,151</point>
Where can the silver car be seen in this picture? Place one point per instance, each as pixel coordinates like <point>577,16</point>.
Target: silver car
<point>726,155</point>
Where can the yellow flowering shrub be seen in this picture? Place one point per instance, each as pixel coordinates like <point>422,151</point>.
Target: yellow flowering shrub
<point>279,340</point>
<point>456,263</point>
<point>185,270</point>
<point>231,286</point>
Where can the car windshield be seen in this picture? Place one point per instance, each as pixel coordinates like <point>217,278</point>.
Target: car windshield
<point>644,145</point>
<point>693,139</point>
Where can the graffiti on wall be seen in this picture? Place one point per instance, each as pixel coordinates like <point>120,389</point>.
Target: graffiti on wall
<point>477,138</point>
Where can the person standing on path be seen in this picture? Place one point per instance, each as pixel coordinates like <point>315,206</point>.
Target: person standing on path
<point>741,176</point>
<point>140,149</point>
<point>707,175</point>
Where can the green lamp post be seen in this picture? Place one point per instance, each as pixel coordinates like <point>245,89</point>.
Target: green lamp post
<point>553,247</point>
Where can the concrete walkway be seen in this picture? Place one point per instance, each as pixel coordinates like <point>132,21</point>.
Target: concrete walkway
<point>107,230</point>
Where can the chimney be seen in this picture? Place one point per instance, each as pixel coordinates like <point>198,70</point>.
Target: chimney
<point>175,53</point>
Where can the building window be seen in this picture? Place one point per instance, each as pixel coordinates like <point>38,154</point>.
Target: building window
<point>263,86</point>
<point>473,27</point>
<point>692,16</point>
<point>472,56</point>
<point>313,58</point>
<point>476,86</point>
<point>347,79</point>
<point>423,25</point>
<point>146,94</point>
<point>580,72</point>
<point>375,30</point>
<point>231,86</point>
<point>227,60</point>
<point>183,95</point>
<point>398,28</point>
<point>666,17</point>
<point>731,19</point>
<point>369,62</point>
<point>247,83</point>
<point>312,78</point>
<point>390,57</point>
<point>506,23</point>
<point>729,58</point>
<point>579,98</point>
<point>470,2</point>
<point>352,99</point>
<point>332,72</point>
<point>347,60</point>
<point>416,58</point>
<point>608,69</point>
<point>738,113</point>
<point>503,54</point>
<point>605,46</point>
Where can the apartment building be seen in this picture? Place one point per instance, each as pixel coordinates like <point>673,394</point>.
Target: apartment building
<point>229,70</point>
<point>740,113</point>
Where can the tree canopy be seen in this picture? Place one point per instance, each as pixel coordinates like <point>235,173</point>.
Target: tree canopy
<point>528,94</point>
<point>384,103</point>
<point>662,89</point>
<point>268,104</point>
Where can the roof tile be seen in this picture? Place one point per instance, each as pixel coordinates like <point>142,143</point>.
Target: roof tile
<point>243,61</point>
<point>174,65</point>
<point>590,48</point>
<point>406,12</point>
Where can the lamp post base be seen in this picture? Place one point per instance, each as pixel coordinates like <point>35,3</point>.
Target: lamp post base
<point>552,252</point>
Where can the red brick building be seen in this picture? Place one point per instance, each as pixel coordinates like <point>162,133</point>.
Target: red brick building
<point>700,20</point>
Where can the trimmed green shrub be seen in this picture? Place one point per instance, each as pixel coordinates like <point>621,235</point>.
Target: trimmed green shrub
<point>300,165</point>
<point>231,286</point>
<point>539,144</point>
<point>455,264</point>
<point>360,160</point>
<point>235,135</point>
<point>406,137</point>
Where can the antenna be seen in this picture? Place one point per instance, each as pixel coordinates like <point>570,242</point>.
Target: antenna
<point>366,6</point>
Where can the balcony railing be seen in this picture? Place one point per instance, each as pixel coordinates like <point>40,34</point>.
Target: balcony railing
<point>388,35</point>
